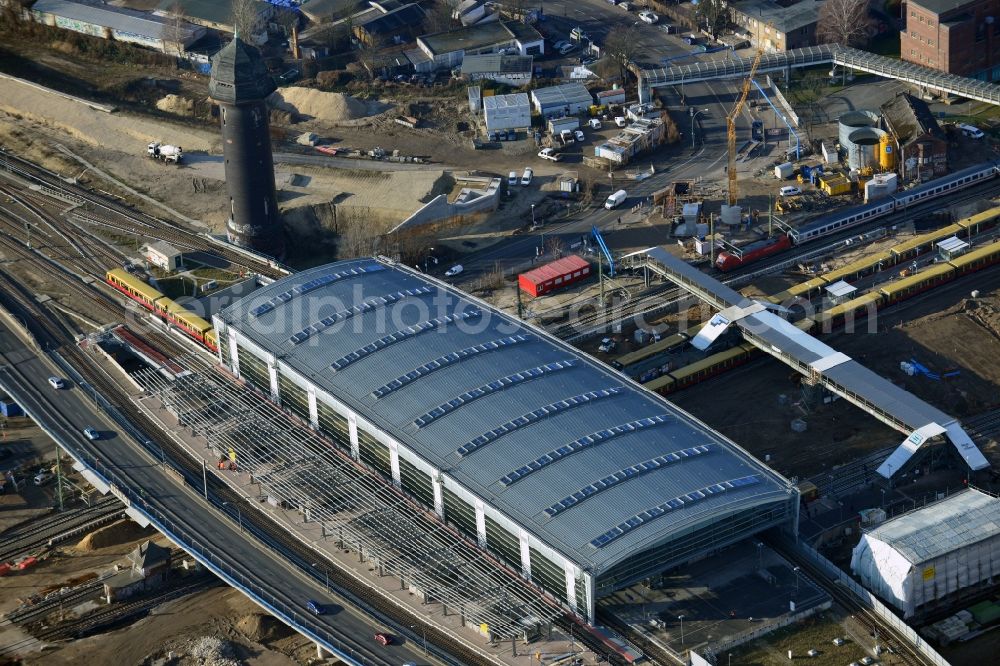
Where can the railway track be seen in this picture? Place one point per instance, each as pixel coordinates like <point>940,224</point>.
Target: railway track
<point>36,534</point>
<point>103,210</point>
<point>888,637</point>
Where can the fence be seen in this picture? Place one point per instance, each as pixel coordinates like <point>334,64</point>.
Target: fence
<point>872,602</point>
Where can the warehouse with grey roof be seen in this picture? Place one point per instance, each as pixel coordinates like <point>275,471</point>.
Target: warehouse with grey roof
<point>572,475</point>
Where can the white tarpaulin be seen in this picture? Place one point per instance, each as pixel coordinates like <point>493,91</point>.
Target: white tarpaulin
<point>910,445</point>
<point>718,324</point>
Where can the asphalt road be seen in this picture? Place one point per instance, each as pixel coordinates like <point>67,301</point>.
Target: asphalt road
<point>66,412</point>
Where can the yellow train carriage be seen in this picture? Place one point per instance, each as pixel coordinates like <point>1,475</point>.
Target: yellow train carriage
<point>924,242</point>
<point>710,366</point>
<point>977,259</point>
<point>848,312</point>
<point>664,345</point>
<point>980,221</point>
<point>133,287</point>
<point>914,284</point>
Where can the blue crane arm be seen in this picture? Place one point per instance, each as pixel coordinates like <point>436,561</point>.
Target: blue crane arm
<point>604,248</point>
<point>798,149</point>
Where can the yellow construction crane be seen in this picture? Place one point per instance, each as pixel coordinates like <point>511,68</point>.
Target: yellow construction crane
<point>731,126</point>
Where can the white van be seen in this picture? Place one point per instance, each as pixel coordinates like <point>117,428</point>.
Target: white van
<point>615,199</point>
<point>512,179</point>
<point>971,131</point>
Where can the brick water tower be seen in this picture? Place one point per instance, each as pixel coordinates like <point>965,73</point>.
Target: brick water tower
<point>240,83</point>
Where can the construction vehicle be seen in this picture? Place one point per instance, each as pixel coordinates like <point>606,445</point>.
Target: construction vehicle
<point>165,152</point>
<point>731,125</point>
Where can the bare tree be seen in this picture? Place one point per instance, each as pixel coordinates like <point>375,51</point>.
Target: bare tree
<point>713,15</point>
<point>844,22</point>
<point>438,17</point>
<point>554,245</point>
<point>622,46</point>
<point>247,18</point>
<point>357,239</point>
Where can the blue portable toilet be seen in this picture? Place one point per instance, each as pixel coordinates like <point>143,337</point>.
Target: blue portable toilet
<point>9,408</point>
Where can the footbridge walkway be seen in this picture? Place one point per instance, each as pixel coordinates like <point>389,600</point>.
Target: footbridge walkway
<point>819,363</point>
<point>890,68</point>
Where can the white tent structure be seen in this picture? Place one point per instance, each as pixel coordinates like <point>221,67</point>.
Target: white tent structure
<point>936,551</point>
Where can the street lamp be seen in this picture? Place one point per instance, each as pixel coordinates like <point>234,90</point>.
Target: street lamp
<point>694,114</point>
<point>681,618</point>
<point>423,632</point>
<point>532,216</point>
<point>326,572</point>
<point>427,258</point>
<point>796,571</point>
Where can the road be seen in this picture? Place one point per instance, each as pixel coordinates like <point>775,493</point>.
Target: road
<point>66,412</point>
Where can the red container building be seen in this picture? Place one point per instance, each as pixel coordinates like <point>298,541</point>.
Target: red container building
<point>555,275</point>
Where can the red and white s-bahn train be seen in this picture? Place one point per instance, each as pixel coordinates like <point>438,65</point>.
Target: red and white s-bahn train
<point>855,215</point>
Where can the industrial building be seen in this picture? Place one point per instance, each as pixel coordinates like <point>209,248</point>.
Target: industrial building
<point>389,24</point>
<point>214,14</point>
<point>934,555</point>
<point>508,69</point>
<point>446,50</point>
<point>921,143</point>
<point>123,25</point>
<point>162,255</point>
<point>567,99</point>
<point>572,475</point>
<point>503,112</point>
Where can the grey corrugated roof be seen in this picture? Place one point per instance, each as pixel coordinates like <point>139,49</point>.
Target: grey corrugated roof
<point>567,93</point>
<point>118,18</point>
<point>494,62</point>
<point>613,401</point>
<point>966,517</point>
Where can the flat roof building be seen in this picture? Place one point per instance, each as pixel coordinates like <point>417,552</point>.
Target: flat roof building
<point>120,24</point>
<point>502,112</point>
<point>567,99</point>
<point>777,26</point>
<point>509,69</point>
<point>447,49</point>
<point>570,473</point>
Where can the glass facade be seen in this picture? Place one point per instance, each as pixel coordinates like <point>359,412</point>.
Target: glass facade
<point>333,425</point>
<point>373,452</point>
<point>503,544</point>
<point>460,513</point>
<point>293,397</point>
<point>416,482</point>
<point>254,370</point>
<point>552,578</point>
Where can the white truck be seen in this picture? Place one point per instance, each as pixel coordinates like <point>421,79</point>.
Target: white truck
<point>165,152</point>
<point>615,199</point>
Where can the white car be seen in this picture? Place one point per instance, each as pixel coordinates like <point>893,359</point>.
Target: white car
<point>91,434</point>
<point>43,477</point>
<point>648,17</point>
<point>620,121</point>
<point>512,179</point>
<point>594,123</point>
<point>56,383</point>
<point>579,135</point>
<point>549,154</point>
<point>607,345</point>
<point>971,131</point>
<point>454,270</point>
<point>567,136</point>
<point>624,5</point>
<point>560,44</point>
<point>789,191</point>
<point>526,176</point>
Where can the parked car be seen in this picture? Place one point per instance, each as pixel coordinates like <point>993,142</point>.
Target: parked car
<point>607,345</point>
<point>91,434</point>
<point>594,123</point>
<point>566,49</point>
<point>620,121</point>
<point>789,191</point>
<point>566,136</point>
<point>971,131</point>
<point>549,154</point>
<point>526,176</point>
<point>383,638</point>
<point>648,17</point>
<point>624,5</point>
<point>558,45</point>
<point>454,270</point>
<point>512,179</point>
<point>289,76</point>
<point>511,135</point>
<point>43,477</point>
<point>579,136</point>
<point>56,383</point>
<point>667,28</point>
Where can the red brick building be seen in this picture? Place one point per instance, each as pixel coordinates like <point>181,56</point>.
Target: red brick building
<point>955,36</point>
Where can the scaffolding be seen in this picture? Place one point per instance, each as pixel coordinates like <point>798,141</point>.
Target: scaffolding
<point>299,468</point>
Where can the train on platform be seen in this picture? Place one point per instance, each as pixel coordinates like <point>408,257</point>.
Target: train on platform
<point>840,220</point>
<point>164,307</point>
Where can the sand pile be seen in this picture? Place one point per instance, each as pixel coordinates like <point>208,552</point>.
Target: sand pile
<point>176,104</point>
<point>261,628</point>
<point>328,106</point>
<point>114,534</point>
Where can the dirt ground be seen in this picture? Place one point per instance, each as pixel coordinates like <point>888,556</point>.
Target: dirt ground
<point>813,633</point>
<point>943,329</point>
<point>182,627</point>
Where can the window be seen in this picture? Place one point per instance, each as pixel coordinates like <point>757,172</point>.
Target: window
<point>912,52</point>
<point>921,19</point>
<point>912,13</point>
<point>913,33</point>
<point>930,42</point>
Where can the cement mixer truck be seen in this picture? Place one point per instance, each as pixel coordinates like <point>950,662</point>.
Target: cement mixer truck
<point>165,152</point>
